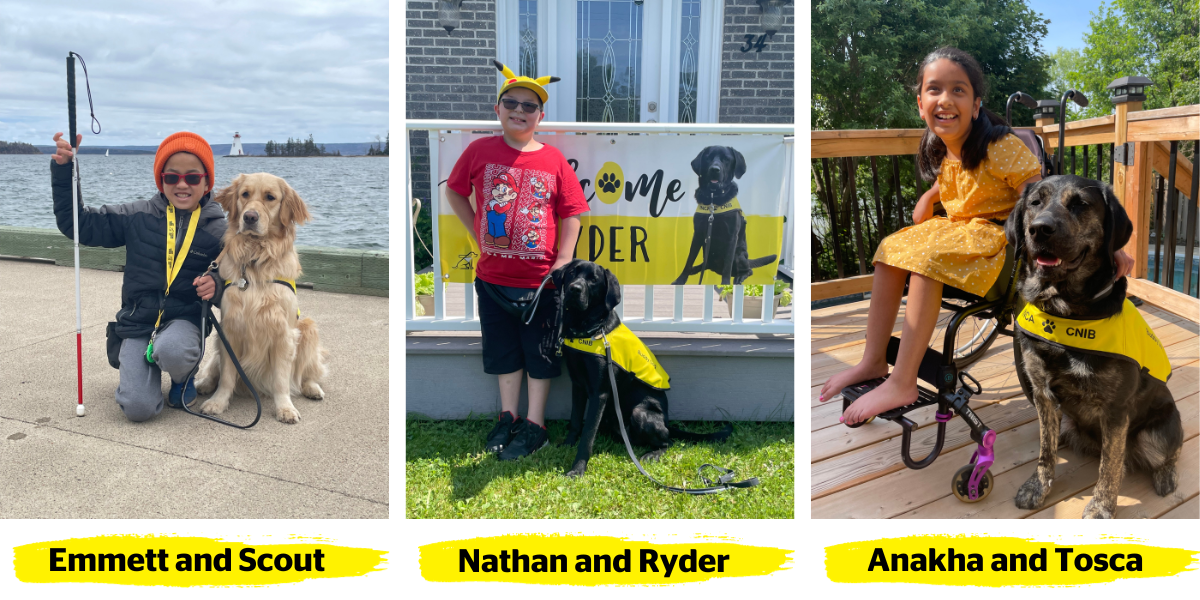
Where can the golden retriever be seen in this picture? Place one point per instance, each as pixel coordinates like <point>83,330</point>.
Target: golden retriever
<point>279,351</point>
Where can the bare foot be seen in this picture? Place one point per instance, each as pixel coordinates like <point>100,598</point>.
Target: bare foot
<point>856,374</point>
<point>881,399</point>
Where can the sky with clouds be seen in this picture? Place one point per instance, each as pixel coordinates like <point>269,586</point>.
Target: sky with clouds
<point>268,70</point>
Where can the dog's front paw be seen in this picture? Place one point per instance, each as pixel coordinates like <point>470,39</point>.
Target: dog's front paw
<point>206,386</point>
<point>1165,481</point>
<point>311,390</point>
<point>213,406</point>
<point>579,469</point>
<point>287,414</point>
<point>1032,493</point>
<point>1096,509</point>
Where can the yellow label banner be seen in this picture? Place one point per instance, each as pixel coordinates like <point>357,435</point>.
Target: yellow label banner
<point>594,560</point>
<point>999,561</point>
<point>639,250</point>
<point>187,561</point>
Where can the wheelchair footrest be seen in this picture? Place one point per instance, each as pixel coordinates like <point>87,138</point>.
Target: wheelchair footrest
<point>851,393</point>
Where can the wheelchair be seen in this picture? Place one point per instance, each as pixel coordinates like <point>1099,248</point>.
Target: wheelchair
<point>973,326</point>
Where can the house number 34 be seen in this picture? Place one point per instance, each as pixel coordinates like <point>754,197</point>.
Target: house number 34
<point>756,45</point>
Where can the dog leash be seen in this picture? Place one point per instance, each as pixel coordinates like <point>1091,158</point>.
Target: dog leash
<point>205,313</point>
<point>725,479</point>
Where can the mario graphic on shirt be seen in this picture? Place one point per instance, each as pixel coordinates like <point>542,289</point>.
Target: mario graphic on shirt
<point>503,193</point>
<point>534,213</point>
<point>539,189</point>
<point>531,239</point>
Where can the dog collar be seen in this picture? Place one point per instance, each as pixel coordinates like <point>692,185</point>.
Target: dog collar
<point>628,352</point>
<point>1124,335</point>
<point>705,209</point>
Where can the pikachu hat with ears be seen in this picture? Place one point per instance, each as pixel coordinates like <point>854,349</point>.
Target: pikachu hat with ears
<point>511,80</point>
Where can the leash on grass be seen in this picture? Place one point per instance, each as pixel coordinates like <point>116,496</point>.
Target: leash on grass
<point>725,479</point>
<point>205,314</point>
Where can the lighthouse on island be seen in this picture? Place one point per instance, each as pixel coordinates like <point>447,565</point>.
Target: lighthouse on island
<point>236,148</point>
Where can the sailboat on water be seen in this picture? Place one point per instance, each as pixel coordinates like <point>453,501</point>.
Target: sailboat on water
<point>106,151</point>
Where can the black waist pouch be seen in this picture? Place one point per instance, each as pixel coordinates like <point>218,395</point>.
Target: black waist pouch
<point>518,302</point>
<point>113,345</point>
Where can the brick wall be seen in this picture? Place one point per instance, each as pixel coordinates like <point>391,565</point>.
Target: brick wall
<point>450,76</point>
<point>757,87</point>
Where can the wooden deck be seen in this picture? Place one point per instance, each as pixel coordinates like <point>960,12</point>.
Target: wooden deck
<point>858,473</point>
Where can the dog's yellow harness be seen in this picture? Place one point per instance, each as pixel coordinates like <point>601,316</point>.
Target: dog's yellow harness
<point>629,353</point>
<point>1124,335</point>
<point>706,209</point>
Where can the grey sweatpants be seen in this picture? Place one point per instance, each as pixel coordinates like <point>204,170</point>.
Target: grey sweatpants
<point>176,350</point>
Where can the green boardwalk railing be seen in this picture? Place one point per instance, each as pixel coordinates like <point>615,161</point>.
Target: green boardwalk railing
<point>325,269</point>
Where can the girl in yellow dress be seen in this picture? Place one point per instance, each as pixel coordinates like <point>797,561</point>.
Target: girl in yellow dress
<point>981,170</point>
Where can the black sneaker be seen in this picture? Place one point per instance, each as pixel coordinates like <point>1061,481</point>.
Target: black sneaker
<point>528,437</point>
<point>500,435</point>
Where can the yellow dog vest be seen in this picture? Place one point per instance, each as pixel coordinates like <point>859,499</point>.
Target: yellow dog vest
<point>628,353</point>
<point>728,206</point>
<point>288,282</point>
<point>1124,335</point>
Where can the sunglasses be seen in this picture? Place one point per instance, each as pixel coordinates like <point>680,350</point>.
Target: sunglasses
<point>190,178</point>
<point>528,107</point>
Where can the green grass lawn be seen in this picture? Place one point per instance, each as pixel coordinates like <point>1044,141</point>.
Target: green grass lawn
<point>449,476</point>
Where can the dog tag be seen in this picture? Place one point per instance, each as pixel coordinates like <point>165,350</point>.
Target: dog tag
<point>242,283</point>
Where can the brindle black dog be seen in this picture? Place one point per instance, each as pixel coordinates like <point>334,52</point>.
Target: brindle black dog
<point>1066,229</point>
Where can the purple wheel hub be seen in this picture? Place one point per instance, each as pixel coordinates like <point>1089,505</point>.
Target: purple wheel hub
<point>983,458</point>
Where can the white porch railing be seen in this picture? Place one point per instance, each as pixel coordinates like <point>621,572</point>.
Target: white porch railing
<point>440,321</point>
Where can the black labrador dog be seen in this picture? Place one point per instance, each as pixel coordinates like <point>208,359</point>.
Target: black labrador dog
<point>724,250</point>
<point>589,293</point>
<point>1066,229</point>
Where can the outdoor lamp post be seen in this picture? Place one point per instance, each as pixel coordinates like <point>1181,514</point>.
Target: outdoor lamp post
<point>1045,112</point>
<point>1129,89</point>
<point>449,14</point>
<point>1078,98</point>
<point>772,15</point>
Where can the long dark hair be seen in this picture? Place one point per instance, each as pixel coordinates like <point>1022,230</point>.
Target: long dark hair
<point>985,128</point>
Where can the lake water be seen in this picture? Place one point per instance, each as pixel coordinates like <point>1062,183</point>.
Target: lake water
<point>347,196</point>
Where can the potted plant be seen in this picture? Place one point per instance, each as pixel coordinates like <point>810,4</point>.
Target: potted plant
<point>752,299</point>
<point>424,289</point>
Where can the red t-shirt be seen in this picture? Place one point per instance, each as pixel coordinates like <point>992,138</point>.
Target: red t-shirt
<point>519,197</point>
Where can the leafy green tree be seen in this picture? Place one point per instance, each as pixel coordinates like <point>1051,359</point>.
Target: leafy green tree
<point>1159,39</point>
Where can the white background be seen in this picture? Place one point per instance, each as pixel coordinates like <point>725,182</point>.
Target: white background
<point>401,538</point>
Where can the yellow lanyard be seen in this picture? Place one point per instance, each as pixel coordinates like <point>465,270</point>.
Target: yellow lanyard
<point>173,268</point>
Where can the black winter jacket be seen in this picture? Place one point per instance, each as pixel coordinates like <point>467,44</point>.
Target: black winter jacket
<point>141,227</point>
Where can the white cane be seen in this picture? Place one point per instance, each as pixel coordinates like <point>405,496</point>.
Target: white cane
<point>79,409</point>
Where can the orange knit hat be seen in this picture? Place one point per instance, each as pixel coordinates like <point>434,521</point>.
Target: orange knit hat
<point>184,141</point>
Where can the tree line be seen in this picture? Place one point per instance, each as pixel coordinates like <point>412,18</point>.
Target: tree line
<point>380,148</point>
<point>298,148</point>
<point>18,148</point>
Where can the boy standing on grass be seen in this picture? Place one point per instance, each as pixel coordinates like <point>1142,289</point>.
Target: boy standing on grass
<point>515,177</point>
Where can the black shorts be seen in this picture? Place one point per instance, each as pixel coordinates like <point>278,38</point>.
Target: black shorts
<point>510,345</point>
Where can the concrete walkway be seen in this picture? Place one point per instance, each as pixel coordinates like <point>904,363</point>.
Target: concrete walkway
<point>332,464</point>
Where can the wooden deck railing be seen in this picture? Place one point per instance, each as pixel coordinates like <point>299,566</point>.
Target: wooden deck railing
<point>1158,188</point>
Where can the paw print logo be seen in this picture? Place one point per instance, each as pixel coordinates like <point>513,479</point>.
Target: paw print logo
<point>1048,326</point>
<point>608,182</point>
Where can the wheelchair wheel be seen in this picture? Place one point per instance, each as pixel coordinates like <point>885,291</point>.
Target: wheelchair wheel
<point>958,484</point>
<point>974,336</point>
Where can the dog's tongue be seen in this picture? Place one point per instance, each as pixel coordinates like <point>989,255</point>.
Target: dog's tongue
<point>1049,262</point>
